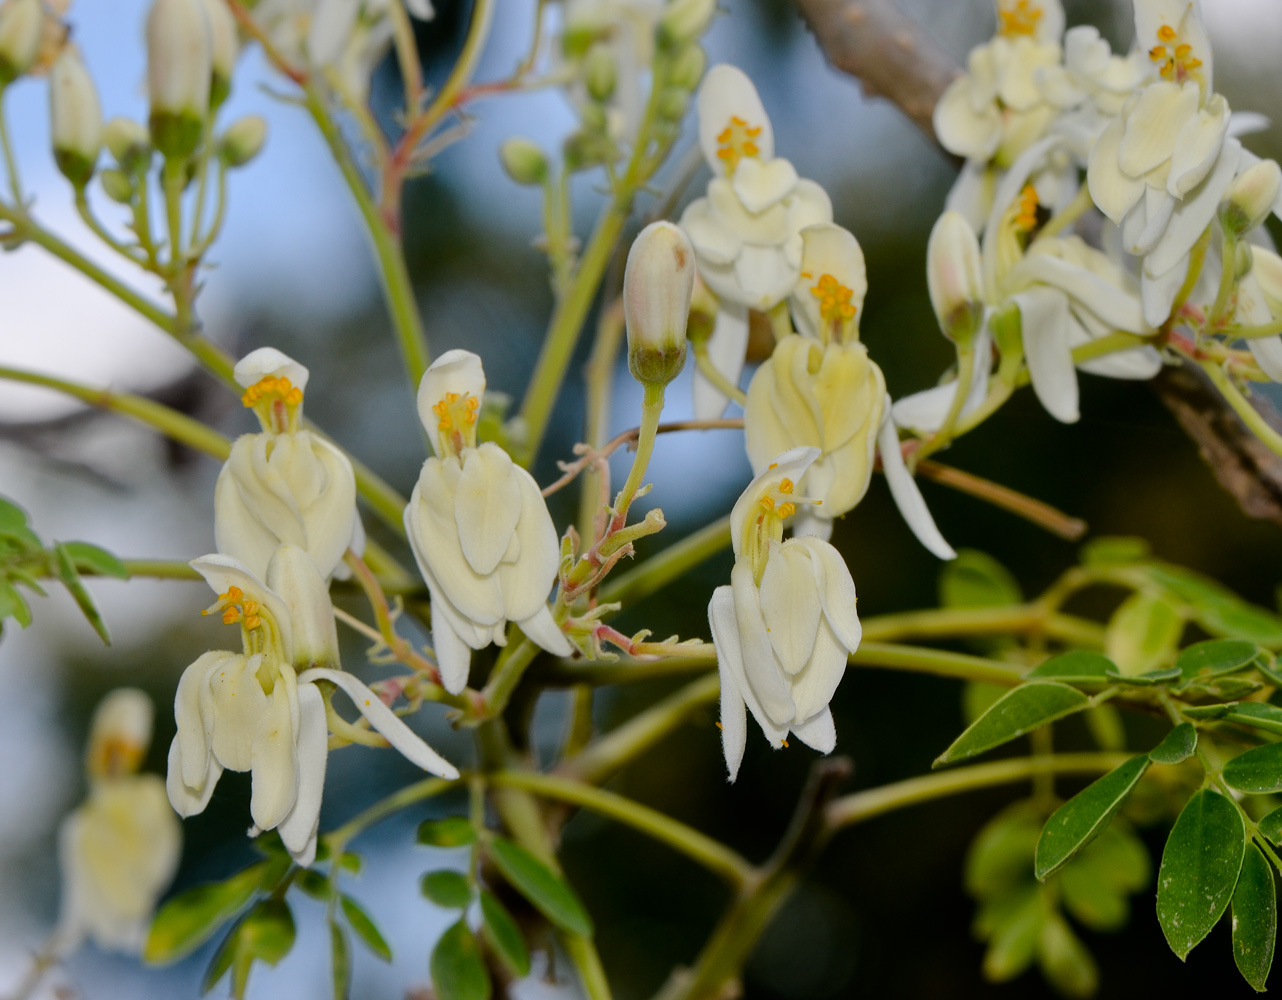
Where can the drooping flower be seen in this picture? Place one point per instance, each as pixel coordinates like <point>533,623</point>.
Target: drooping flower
<point>285,485</point>
<point>479,527</point>
<point>119,850</point>
<point>747,231</point>
<point>261,711</point>
<point>787,622</point>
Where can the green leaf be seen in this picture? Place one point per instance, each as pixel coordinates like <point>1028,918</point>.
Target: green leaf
<point>1013,943</point>
<point>12,517</point>
<point>1200,866</point>
<point>1065,961</point>
<point>13,604</point>
<point>1114,550</point>
<point>1143,633</point>
<point>340,960</point>
<point>315,885</point>
<point>1217,609</point>
<point>1221,688</point>
<point>998,860</point>
<point>189,919</point>
<point>1208,712</point>
<point>265,934</point>
<point>458,973</point>
<point>1178,745</point>
<point>1216,656</point>
<point>1081,819</point>
<point>503,936</point>
<point>1026,708</point>
<point>95,559</point>
<point>1256,714</point>
<point>1255,919</point>
<point>976,580</point>
<point>70,578</point>
<point>453,831</point>
<point>534,880</point>
<point>447,888</point>
<point>221,961</point>
<point>1080,665</point>
<point>1258,771</point>
<point>1096,883</point>
<point>366,929</point>
<point>1271,826</point>
<point>1150,678</point>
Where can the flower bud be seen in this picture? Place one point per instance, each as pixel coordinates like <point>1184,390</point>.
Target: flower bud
<point>75,118</point>
<point>1251,197</point>
<point>672,103</point>
<point>600,75</point>
<point>524,161</point>
<point>224,48</point>
<point>117,185</point>
<point>243,140</point>
<point>687,68</point>
<point>179,70</point>
<point>657,286</point>
<point>120,734</point>
<point>954,276</point>
<point>683,21</point>
<point>129,143</point>
<point>21,28</point>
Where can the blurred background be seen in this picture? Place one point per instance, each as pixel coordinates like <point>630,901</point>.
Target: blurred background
<point>884,914</point>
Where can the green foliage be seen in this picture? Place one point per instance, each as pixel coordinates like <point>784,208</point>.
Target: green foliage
<point>458,971</point>
<point>1082,818</point>
<point>1143,633</point>
<point>1199,870</point>
<point>1271,826</point>
<point>1255,919</point>
<point>1114,550</point>
<point>503,936</point>
<point>447,888</point>
<point>1178,746</point>
<point>340,959</point>
<point>189,919</point>
<point>265,934</point>
<point>976,580</point>
<point>1257,771</point>
<point>1024,709</point>
<point>365,928</point>
<point>452,831</point>
<point>1216,608</point>
<point>1217,656</point>
<point>1079,666</point>
<point>548,891</point>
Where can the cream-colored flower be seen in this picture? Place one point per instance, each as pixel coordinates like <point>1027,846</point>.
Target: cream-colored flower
<point>747,231</point>
<point>120,849</point>
<point>787,622</point>
<point>285,485</point>
<point>479,528</point>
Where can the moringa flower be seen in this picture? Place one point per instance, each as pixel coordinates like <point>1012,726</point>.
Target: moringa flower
<point>285,485</point>
<point>479,528</point>
<point>787,622</point>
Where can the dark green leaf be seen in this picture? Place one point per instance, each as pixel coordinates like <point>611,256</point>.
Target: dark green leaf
<point>96,560</point>
<point>1079,665</point>
<point>1150,678</point>
<point>1081,819</point>
<point>191,917</point>
<point>1026,708</point>
<point>1255,919</point>
<point>1271,826</point>
<point>1143,633</point>
<point>1257,771</point>
<point>447,888</point>
<point>1179,745</point>
<point>13,604</point>
<point>503,936</point>
<point>1114,550</point>
<point>1257,715</point>
<point>978,698</point>
<point>267,932</point>
<point>1216,656</point>
<point>70,578</point>
<point>534,880</point>
<point>1217,609</point>
<point>1016,930</point>
<point>315,885</point>
<point>458,972</point>
<point>340,960</point>
<point>366,929</point>
<point>977,580</point>
<point>1064,960</point>
<point>1208,712</point>
<point>453,831</point>
<point>1221,688</point>
<point>1200,867</point>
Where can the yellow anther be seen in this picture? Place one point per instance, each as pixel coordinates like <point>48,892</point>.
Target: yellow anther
<point>787,509</point>
<point>834,298</point>
<point>235,608</point>
<point>1019,19</point>
<point>231,614</point>
<point>768,502</point>
<point>1177,61</point>
<point>785,486</point>
<point>1026,220</point>
<point>276,401</point>
<point>456,416</point>
<point>114,757</point>
<point>1157,53</point>
<point>737,141</point>
<point>785,744</point>
<point>1166,33</point>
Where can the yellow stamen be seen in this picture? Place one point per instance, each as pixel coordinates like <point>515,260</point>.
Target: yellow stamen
<point>276,400</point>
<point>835,307</point>
<point>785,485</point>
<point>787,509</point>
<point>1177,61</point>
<point>1026,220</point>
<point>1019,19</point>
<point>1166,33</point>
<point>456,417</point>
<point>235,609</point>
<point>737,141</point>
<point>115,757</point>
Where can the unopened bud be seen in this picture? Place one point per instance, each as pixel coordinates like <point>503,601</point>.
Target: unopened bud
<point>600,75</point>
<point>75,118</point>
<point>129,143</point>
<point>117,185</point>
<point>584,149</point>
<point>1251,197</point>
<point>683,21</point>
<point>687,68</point>
<point>179,69</point>
<point>243,140</point>
<point>120,734</point>
<point>524,161</point>
<point>672,103</point>
<point>954,276</point>
<point>224,48</point>
<point>658,283</point>
<point>21,27</point>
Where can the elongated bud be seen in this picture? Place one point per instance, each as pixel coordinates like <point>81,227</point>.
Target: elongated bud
<point>293,575</point>
<point>179,69</point>
<point>955,277</point>
<point>524,161</point>
<point>129,143</point>
<point>117,185</point>
<point>243,140</point>
<point>224,48</point>
<point>684,21</point>
<point>600,74</point>
<point>120,734</point>
<point>21,27</point>
<point>1251,197</point>
<point>75,118</point>
<point>657,286</point>
<point>687,68</point>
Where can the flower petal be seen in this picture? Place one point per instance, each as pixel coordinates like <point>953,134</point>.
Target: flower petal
<point>726,92</point>
<point>836,590</point>
<point>1113,192</point>
<point>1197,147</point>
<point>790,605</point>
<point>274,755</point>
<point>727,347</point>
<point>224,572</point>
<point>541,628</point>
<point>457,371</point>
<point>1153,126</point>
<point>486,506</point>
<point>762,184</point>
<point>724,624</point>
<point>903,488</point>
<point>764,276</point>
<point>963,129</point>
<point>792,464</point>
<point>189,800</point>
<point>1110,303</point>
<point>817,732</point>
<point>764,678</point>
<point>298,829</point>
<point>267,361</point>
<point>1045,320</point>
<point>1194,213</point>
<point>713,242</point>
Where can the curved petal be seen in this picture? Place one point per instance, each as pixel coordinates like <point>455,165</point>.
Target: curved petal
<point>726,92</point>
<point>790,605</point>
<point>274,755</point>
<point>814,687</point>
<point>817,732</point>
<point>194,716</point>
<point>724,623</point>
<point>836,590</point>
<point>1195,212</point>
<point>792,464</point>
<point>1158,293</point>
<point>542,629</point>
<point>764,678</point>
<point>807,523</point>
<point>963,129</point>
<point>298,829</point>
<point>457,371</point>
<point>1114,306</point>
<point>764,276</point>
<point>269,362</point>
<point>1113,192</point>
<point>188,800</point>
<point>734,717</point>
<point>762,184</point>
<point>1153,126</point>
<point>713,242</point>
<point>1197,147</point>
<point>240,709</point>
<point>487,506</point>
<point>903,488</point>
<point>1045,322</point>
<point>727,347</point>
<point>224,572</point>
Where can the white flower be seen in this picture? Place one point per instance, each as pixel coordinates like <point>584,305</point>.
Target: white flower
<point>253,712</point>
<point>119,850</point>
<point>479,528</point>
<point>786,624</point>
<point>747,231</point>
<point>285,485</point>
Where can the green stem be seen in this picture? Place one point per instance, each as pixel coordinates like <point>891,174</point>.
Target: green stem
<point>946,432</point>
<point>661,569</point>
<point>600,379</point>
<point>958,622</point>
<point>712,854</point>
<point>1228,282</point>
<point>10,163</point>
<point>941,663</point>
<point>86,215</point>
<point>1252,417</point>
<point>339,838</point>
<point>714,375</point>
<point>506,676</point>
<point>651,411</point>
<point>1251,332</point>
